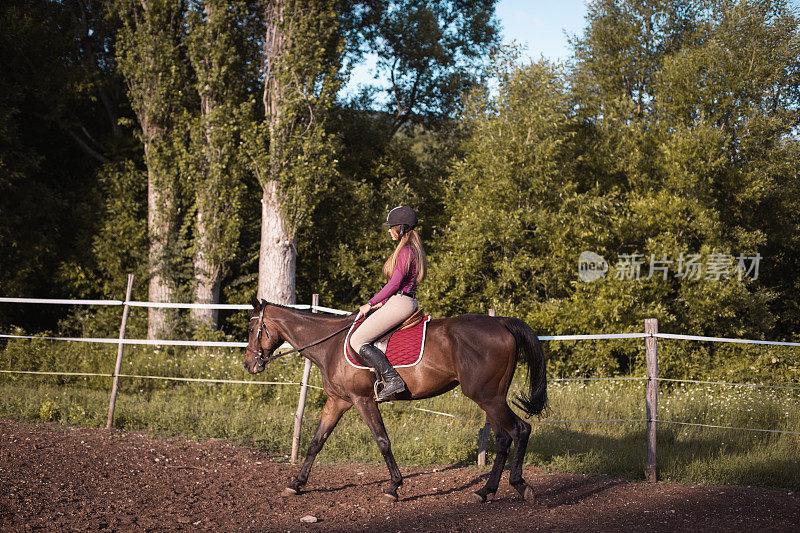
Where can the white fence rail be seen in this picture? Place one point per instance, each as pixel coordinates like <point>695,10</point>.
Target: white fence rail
<point>651,335</point>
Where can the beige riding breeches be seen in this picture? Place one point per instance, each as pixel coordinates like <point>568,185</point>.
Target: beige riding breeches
<point>396,309</point>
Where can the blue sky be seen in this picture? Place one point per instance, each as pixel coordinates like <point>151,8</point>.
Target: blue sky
<point>539,25</point>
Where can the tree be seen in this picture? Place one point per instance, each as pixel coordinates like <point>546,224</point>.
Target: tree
<point>151,59</point>
<point>343,245</point>
<point>735,91</point>
<point>428,55</point>
<point>301,62</point>
<point>658,149</point>
<point>221,48</point>
<point>96,35</point>
<point>398,131</point>
<point>48,117</point>
<point>511,198</point>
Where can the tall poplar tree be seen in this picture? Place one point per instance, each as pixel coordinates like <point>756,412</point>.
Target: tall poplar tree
<point>428,53</point>
<point>221,49</point>
<point>291,154</point>
<point>152,61</point>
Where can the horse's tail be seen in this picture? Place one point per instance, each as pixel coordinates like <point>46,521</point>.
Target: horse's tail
<point>534,400</point>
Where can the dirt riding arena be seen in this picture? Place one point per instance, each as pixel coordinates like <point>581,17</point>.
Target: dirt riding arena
<point>59,478</point>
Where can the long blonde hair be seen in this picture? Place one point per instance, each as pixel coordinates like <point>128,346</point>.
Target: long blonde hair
<point>411,238</point>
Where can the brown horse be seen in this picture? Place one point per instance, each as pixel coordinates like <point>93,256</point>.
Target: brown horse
<point>476,351</point>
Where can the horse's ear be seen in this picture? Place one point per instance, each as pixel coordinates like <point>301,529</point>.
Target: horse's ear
<point>254,302</point>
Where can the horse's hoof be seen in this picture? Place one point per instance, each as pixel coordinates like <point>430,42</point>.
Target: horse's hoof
<point>289,491</point>
<point>477,498</point>
<point>388,498</point>
<point>529,495</point>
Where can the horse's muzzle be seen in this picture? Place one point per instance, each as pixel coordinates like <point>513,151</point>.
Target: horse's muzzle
<point>256,365</point>
<point>254,368</point>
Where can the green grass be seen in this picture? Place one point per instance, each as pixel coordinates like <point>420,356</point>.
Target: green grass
<point>262,415</point>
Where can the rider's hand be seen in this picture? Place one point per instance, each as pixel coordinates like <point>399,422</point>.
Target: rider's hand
<point>364,309</point>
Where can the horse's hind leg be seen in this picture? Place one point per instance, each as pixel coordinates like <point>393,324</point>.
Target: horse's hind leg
<point>331,413</point>
<point>507,426</point>
<point>502,442</point>
<point>522,432</point>
<point>372,416</point>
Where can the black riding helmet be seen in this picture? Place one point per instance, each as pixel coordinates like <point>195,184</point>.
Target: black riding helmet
<point>402,216</point>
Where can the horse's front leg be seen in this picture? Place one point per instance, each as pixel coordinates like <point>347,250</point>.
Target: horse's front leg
<point>331,413</point>
<point>368,409</point>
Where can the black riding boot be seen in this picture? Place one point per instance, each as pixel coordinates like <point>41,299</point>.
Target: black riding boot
<point>377,360</point>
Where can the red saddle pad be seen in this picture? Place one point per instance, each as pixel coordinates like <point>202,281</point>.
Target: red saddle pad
<point>405,346</point>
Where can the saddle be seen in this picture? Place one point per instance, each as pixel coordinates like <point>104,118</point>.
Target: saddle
<point>382,342</point>
<point>410,322</point>
<point>409,340</point>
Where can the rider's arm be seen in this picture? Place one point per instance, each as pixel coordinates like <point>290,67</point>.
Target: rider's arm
<point>393,285</point>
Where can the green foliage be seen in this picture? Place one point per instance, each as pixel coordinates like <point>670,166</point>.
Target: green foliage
<point>47,185</point>
<point>342,248</point>
<point>222,47</point>
<point>395,142</point>
<point>170,94</point>
<point>651,143</point>
<point>672,130</point>
<point>152,60</point>
<point>504,197</point>
<point>290,147</point>
<point>119,248</point>
<point>432,52</point>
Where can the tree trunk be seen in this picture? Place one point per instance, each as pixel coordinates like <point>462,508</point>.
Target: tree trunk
<point>208,276</point>
<point>149,57</point>
<point>207,264</point>
<point>276,262</point>
<point>278,257</point>
<point>161,228</point>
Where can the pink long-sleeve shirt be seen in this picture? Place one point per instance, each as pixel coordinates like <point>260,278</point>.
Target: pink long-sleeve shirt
<point>404,277</point>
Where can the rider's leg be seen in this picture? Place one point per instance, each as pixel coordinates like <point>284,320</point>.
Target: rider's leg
<point>392,313</point>
<point>375,358</point>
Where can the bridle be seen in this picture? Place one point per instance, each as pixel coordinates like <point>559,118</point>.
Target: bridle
<point>258,355</point>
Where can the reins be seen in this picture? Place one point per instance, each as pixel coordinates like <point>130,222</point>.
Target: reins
<point>259,354</point>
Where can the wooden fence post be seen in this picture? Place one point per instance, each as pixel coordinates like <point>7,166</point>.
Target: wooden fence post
<point>301,404</point>
<point>483,441</point>
<point>483,433</point>
<point>120,348</point>
<point>651,396</point>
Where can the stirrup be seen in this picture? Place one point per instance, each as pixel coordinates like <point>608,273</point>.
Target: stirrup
<point>380,385</point>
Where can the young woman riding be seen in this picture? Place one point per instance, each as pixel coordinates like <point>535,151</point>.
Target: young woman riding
<point>396,301</point>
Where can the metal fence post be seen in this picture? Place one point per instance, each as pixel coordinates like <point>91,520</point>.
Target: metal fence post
<point>301,404</point>
<point>651,396</point>
<point>483,433</point>
<point>120,348</point>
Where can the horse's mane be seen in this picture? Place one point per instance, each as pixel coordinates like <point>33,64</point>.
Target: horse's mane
<point>307,312</point>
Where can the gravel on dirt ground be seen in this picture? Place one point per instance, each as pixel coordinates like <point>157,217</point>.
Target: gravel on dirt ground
<point>58,478</point>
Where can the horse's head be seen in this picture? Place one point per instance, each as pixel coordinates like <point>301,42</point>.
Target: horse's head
<point>263,338</point>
